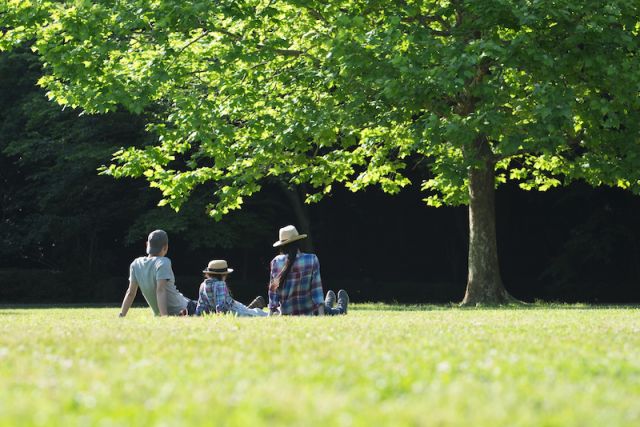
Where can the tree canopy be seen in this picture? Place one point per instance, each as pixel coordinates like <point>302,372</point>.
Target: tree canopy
<point>57,213</point>
<point>350,91</point>
<point>543,92</point>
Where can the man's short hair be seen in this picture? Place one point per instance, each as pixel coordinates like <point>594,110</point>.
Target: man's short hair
<point>157,240</point>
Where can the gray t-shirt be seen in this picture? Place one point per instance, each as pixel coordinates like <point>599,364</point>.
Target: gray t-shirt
<point>146,271</point>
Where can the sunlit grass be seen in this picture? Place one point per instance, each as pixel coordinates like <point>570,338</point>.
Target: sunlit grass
<point>379,365</point>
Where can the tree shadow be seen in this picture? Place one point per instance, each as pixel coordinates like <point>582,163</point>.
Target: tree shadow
<point>394,306</point>
<point>4,312</point>
<point>16,307</point>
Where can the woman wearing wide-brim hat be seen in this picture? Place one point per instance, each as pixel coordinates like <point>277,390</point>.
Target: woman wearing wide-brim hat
<point>295,286</point>
<point>214,295</point>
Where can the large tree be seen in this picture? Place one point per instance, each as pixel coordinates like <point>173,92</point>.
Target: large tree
<point>544,92</point>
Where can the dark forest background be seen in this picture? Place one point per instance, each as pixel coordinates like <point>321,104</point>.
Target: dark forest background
<point>68,234</point>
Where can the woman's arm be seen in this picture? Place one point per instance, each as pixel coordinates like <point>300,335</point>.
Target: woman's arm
<point>317,294</point>
<point>274,300</point>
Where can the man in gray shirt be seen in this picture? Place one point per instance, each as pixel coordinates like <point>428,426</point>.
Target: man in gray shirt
<point>154,276</point>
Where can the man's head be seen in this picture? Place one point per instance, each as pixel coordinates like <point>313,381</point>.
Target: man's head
<point>156,242</point>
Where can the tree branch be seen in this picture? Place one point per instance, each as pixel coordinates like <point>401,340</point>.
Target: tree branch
<point>425,21</point>
<point>517,153</point>
<point>225,32</point>
<point>430,19</point>
<point>183,48</point>
<point>316,14</point>
<point>289,52</point>
<point>292,53</point>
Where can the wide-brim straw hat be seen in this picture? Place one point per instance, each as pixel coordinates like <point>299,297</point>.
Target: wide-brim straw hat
<point>287,235</point>
<point>218,266</point>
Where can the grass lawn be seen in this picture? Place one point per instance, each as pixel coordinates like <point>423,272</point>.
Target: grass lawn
<point>379,365</point>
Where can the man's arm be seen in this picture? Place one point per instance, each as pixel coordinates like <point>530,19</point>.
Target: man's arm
<point>128,298</point>
<point>161,296</point>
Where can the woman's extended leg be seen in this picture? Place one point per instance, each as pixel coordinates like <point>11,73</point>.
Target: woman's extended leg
<point>242,310</point>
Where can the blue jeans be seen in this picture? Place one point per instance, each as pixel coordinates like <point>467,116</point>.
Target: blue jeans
<point>240,309</point>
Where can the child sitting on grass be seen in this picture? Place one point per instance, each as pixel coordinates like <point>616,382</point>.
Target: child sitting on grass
<point>214,296</point>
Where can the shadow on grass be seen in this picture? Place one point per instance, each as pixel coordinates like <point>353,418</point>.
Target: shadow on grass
<point>377,306</point>
<point>393,306</point>
<point>4,312</point>
<point>54,306</point>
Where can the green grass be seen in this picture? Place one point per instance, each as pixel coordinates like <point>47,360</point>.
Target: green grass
<point>380,365</point>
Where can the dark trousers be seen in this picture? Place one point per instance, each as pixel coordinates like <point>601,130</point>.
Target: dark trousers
<point>191,307</point>
<point>332,311</point>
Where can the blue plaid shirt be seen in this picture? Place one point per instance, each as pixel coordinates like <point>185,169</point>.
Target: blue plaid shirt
<point>302,291</point>
<point>213,295</point>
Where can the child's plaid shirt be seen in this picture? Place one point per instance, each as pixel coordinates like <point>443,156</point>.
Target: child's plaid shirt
<point>213,295</point>
<point>302,291</point>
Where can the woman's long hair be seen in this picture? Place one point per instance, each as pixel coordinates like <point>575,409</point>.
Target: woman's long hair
<point>291,251</point>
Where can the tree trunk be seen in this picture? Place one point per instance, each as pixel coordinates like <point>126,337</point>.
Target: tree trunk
<point>484,283</point>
